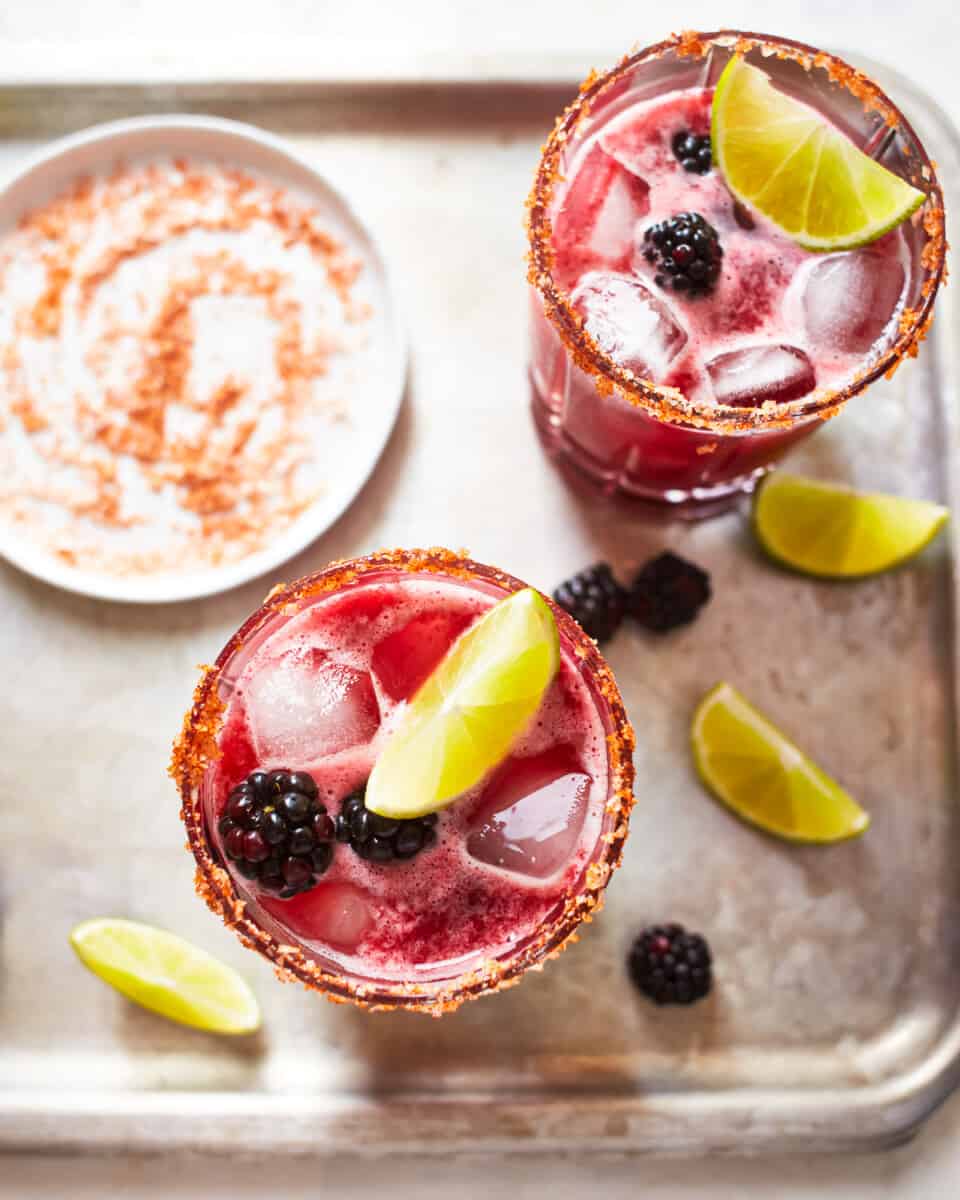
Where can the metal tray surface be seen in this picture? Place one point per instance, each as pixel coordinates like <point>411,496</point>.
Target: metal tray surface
<point>834,1022</point>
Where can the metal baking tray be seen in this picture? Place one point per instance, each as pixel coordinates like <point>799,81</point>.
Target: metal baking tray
<point>834,1022</point>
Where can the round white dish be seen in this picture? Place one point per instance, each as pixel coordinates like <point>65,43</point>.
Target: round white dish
<point>375,401</point>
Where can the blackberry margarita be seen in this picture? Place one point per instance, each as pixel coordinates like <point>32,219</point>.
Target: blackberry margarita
<point>682,341</point>
<point>419,912</point>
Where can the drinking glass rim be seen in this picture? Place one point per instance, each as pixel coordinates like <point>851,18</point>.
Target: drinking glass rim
<point>670,405</point>
<point>196,747</point>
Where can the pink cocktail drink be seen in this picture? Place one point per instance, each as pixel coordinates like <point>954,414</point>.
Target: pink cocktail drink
<point>422,913</point>
<point>685,389</point>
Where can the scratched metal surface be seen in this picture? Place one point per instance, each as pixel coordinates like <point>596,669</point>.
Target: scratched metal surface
<point>834,1020</point>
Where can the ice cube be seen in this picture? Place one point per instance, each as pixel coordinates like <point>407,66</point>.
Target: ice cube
<point>629,322</point>
<point>305,705</point>
<point>642,141</point>
<point>531,813</point>
<point>404,659</point>
<point>635,144</point>
<point>850,298</point>
<point>339,914</point>
<point>755,374</point>
<point>594,226</point>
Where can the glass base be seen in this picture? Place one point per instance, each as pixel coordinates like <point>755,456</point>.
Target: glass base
<point>587,476</point>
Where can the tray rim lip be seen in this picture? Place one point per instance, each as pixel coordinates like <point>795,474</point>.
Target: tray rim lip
<point>810,1125</point>
<point>287,543</point>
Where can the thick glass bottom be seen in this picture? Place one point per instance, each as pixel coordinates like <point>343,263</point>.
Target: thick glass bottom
<point>590,476</point>
<point>604,447</point>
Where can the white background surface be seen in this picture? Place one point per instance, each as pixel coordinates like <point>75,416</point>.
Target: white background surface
<point>921,42</point>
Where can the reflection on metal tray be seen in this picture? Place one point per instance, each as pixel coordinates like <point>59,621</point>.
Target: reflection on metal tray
<point>834,1020</point>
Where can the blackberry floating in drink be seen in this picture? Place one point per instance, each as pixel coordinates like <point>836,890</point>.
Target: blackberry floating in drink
<point>730,236</point>
<point>406,779</point>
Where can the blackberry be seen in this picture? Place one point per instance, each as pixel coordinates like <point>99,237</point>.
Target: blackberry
<point>595,601</point>
<point>686,251</point>
<point>275,830</point>
<point>668,591</point>
<point>671,966</point>
<point>383,839</point>
<point>692,151</point>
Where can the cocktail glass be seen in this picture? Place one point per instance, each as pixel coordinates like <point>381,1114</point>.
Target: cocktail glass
<point>349,608</point>
<point>628,437</point>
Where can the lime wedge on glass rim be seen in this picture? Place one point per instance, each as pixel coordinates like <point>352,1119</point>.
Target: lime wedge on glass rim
<point>167,975</point>
<point>468,714</point>
<point>784,159</point>
<point>834,532</point>
<point>758,773</point>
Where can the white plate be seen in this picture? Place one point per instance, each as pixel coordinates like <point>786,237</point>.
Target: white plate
<point>233,144</point>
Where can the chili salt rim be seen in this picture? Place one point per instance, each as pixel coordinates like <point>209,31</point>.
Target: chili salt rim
<point>670,404</point>
<point>196,748</point>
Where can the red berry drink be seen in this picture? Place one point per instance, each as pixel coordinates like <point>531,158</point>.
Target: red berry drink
<point>681,341</point>
<point>419,912</point>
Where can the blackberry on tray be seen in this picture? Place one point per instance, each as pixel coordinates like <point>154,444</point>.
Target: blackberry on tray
<point>275,830</point>
<point>686,253</point>
<point>670,965</point>
<point>383,839</point>
<point>595,601</point>
<point>667,591</point>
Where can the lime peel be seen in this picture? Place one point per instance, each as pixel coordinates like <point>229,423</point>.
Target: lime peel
<point>833,532</point>
<point>787,161</point>
<point>764,778</point>
<point>167,975</point>
<point>470,712</point>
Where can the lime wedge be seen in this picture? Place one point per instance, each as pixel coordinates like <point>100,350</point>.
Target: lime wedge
<point>827,530</point>
<point>167,975</point>
<point>471,710</point>
<point>754,770</point>
<point>786,160</point>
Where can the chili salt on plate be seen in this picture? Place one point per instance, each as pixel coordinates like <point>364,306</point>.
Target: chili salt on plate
<point>200,355</point>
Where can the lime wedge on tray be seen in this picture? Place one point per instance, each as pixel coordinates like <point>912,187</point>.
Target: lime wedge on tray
<point>751,767</point>
<point>831,531</point>
<point>791,164</point>
<point>471,710</point>
<point>167,975</point>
